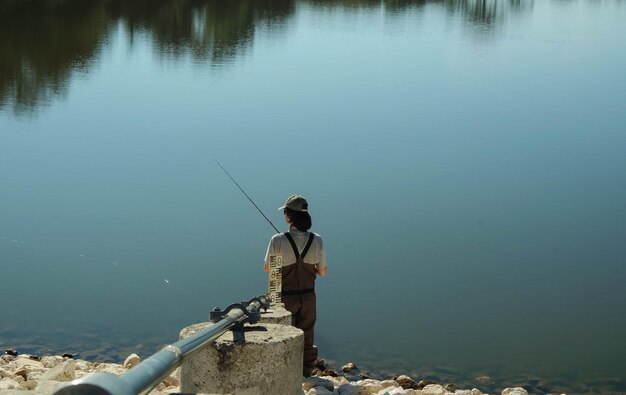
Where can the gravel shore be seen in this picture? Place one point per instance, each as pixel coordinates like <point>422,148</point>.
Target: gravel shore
<point>21,374</point>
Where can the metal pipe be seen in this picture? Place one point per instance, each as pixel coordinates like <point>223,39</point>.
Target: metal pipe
<point>144,377</point>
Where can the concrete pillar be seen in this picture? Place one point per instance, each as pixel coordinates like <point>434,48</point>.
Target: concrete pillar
<point>268,363</point>
<point>276,314</point>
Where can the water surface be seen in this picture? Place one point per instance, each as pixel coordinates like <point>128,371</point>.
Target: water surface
<point>464,161</point>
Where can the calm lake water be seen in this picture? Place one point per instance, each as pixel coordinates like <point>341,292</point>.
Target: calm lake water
<point>465,161</point>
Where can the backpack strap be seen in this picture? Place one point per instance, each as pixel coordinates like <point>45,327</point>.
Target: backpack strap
<point>300,257</point>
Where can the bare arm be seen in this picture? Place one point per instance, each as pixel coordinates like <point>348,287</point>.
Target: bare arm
<point>322,272</point>
<point>266,267</point>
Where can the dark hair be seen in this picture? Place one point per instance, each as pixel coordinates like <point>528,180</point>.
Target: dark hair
<point>300,219</point>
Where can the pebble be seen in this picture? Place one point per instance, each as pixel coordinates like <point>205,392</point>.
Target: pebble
<point>433,389</point>
<point>320,391</point>
<point>314,381</point>
<point>131,361</point>
<point>406,382</point>
<point>6,358</point>
<point>51,361</point>
<point>62,372</point>
<point>424,383</point>
<point>21,372</point>
<point>43,376</point>
<point>349,389</point>
<point>8,383</point>
<point>514,391</point>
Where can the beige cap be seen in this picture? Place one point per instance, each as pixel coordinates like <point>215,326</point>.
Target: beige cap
<point>296,203</point>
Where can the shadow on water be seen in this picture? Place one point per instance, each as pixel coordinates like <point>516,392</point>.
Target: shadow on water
<point>44,43</point>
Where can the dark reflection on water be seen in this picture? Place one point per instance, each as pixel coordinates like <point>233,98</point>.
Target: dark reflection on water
<point>209,30</point>
<point>43,43</point>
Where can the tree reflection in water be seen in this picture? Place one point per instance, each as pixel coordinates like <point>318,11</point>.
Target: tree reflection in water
<point>44,42</point>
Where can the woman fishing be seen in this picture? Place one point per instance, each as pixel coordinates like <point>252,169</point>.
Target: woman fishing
<point>303,259</point>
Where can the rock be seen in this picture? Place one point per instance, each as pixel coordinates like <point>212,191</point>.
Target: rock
<point>368,382</point>
<point>337,381</point>
<point>484,380</point>
<point>50,362</point>
<point>6,358</point>
<point>406,382</point>
<point>29,385</point>
<point>319,367</point>
<point>112,368</point>
<point>24,360</point>
<point>462,392</point>
<point>48,387</point>
<point>314,381</point>
<point>370,386</point>
<point>22,372</point>
<point>68,355</point>
<point>433,389</point>
<point>450,388</point>
<point>83,366</point>
<point>424,383</point>
<point>8,383</point>
<point>320,364</point>
<point>349,367</point>
<point>11,351</point>
<point>171,381</point>
<point>62,372</point>
<point>393,391</point>
<point>475,391</point>
<point>131,361</point>
<point>347,389</point>
<point>35,375</point>
<point>514,391</point>
<point>329,372</point>
<point>389,383</point>
<point>320,391</point>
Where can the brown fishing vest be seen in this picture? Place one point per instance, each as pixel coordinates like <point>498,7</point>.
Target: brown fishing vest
<point>299,278</point>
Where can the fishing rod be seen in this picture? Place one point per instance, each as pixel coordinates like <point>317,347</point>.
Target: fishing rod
<point>244,192</point>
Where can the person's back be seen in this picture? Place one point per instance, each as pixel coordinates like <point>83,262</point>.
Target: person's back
<point>303,259</point>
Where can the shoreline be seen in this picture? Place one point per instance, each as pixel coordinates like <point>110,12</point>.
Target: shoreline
<point>24,374</point>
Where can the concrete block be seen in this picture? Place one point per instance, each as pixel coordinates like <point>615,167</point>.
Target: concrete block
<point>268,363</point>
<point>276,315</point>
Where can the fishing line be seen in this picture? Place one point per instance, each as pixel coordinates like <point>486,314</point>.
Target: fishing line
<point>244,192</point>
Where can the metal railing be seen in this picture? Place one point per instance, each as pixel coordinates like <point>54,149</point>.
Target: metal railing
<point>148,374</point>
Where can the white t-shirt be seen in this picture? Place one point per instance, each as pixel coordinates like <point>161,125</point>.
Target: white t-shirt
<point>280,245</point>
